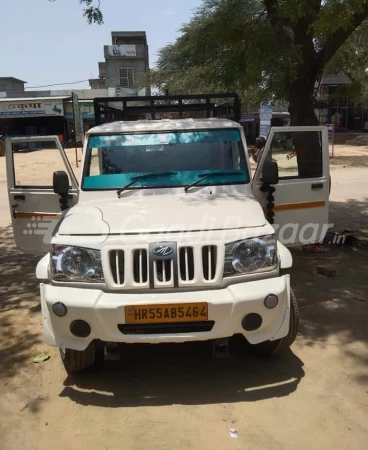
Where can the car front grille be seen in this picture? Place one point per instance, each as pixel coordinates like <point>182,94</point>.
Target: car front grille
<point>209,262</point>
<point>140,266</point>
<point>137,268</point>
<point>117,266</point>
<point>186,263</point>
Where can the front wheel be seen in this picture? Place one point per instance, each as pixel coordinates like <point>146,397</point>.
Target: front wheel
<point>273,347</point>
<point>75,361</point>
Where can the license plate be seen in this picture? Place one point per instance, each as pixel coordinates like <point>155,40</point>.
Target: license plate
<point>187,312</point>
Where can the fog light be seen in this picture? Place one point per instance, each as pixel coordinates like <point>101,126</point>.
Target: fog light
<point>271,301</point>
<point>252,322</point>
<point>59,309</point>
<point>80,328</point>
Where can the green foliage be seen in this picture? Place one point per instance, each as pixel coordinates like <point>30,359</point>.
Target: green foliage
<point>264,49</point>
<point>92,13</point>
<point>214,52</point>
<point>352,61</point>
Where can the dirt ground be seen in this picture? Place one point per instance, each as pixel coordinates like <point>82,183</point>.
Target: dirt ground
<point>177,396</point>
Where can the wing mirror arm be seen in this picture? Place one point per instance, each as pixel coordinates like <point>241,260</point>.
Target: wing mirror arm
<point>270,177</point>
<point>61,187</point>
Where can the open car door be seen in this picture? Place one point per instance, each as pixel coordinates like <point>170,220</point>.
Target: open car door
<point>298,203</point>
<point>35,208</point>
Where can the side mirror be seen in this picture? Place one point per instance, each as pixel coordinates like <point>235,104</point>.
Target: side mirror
<point>270,173</point>
<point>61,182</point>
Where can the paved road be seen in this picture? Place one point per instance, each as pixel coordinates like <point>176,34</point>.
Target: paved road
<point>349,199</point>
<point>350,183</point>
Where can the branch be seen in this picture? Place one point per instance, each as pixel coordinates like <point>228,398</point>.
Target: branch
<point>350,76</point>
<point>341,35</point>
<point>278,23</point>
<point>247,26</point>
<point>92,13</point>
<point>260,16</point>
<point>316,6</point>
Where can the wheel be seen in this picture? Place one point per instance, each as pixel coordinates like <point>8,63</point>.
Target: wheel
<point>269,348</point>
<point>75,361</point>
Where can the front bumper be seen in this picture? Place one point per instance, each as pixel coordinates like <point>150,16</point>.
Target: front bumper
<point>105,311</point>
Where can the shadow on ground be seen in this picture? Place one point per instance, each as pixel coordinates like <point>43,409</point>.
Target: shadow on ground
<point>334,310</point>
<point>351,215</point>
<point>19,305</point>
<point>335,306</point>
<point>185,374</point>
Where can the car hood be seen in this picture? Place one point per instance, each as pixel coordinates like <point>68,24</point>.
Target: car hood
<point>162,214</point>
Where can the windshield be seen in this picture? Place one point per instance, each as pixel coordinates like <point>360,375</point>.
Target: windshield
<point>113,161</point>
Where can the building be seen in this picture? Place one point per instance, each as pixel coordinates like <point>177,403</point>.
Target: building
<point>37,113</point>
<point>337,106</point>
<point>10,85</point>
<point>24,112</point>
<point>32,116</point>
<point>126,65</point>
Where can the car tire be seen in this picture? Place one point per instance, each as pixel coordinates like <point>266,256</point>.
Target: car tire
<point>269,348</point>
<point>75,361</point>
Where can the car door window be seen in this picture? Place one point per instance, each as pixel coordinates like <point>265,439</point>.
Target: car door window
<point>298,154</point>
<point>35,162</point>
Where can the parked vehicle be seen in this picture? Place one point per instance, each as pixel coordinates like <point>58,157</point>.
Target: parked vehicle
<point>167,236</point>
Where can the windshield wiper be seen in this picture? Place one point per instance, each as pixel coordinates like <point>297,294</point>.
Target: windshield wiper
<point>142,177</point>
<point>208,175</point>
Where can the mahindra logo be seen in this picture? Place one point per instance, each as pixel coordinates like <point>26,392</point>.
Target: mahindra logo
<point>163,250</point>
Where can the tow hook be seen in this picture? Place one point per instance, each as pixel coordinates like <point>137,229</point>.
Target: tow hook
<point>221,348</point>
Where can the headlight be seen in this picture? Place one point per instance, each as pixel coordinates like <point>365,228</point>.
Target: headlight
<point>76,264</point>
<point>250,255</point>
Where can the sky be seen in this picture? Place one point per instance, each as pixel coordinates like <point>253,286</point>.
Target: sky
<point>45,42</point>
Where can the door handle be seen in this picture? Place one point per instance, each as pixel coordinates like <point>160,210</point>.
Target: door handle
<point>19,197</point>
<point>317,186</point>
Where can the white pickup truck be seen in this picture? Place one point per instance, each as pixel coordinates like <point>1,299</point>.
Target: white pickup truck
<point>166,236</point>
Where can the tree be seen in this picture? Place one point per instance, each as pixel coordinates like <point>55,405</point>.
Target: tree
<point>352,61</point>
<point>264,49</point>
<point>91,12</point>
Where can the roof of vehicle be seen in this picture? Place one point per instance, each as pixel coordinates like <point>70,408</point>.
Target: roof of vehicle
<point>163,125</point>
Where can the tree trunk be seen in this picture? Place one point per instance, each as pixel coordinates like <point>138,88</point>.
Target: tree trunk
<point>301,101</point>
<point>302,113</point>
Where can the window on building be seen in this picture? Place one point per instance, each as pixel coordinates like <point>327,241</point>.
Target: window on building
<point>129,42</point>
<point>126,77</point>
